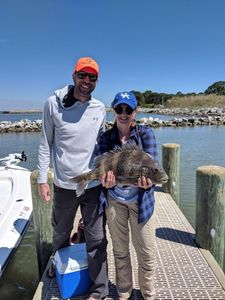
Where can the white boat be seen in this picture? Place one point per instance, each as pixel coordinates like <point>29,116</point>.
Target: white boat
<point>15,205</point>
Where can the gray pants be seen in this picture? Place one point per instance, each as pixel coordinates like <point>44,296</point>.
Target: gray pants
<point>119,216</point>
<point>65,205</point>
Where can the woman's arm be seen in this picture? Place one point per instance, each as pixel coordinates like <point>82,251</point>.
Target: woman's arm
<point>149,146</point>
<point>149,142</point>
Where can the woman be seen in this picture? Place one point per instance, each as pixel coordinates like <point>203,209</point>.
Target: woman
<point>130,206</point>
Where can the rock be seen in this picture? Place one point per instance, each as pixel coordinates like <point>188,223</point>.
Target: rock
<point>185,117</point>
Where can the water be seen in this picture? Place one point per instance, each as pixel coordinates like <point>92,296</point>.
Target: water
<point>18,117</point>
<point>37,116</point>
<point>20,279</point>
<point>199,146</point>
<point>111,116</point>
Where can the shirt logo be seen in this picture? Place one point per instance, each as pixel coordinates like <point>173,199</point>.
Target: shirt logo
<point>125,95</point>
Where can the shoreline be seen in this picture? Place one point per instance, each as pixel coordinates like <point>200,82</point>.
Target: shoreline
<point>202,111</point>
<point>179,118</point>
<point>25,111</point>
<point>192,121</point>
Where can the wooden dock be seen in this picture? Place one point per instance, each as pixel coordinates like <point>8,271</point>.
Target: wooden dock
<point>183,270</point>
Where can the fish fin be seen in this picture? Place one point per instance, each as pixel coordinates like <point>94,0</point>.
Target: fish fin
<point>81,181</point>
<point>80,188</point>
<point>98,158</point>
<point>130,145</point>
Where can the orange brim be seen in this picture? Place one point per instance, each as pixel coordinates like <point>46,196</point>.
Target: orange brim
<point>89,70</point>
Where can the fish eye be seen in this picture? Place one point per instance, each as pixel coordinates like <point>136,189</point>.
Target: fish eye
<point>156,170</point>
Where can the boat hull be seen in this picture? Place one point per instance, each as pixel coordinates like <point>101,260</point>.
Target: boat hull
<point>15,210</point>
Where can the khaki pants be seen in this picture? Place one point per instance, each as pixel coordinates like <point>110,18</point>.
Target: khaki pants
<point>119,217</point>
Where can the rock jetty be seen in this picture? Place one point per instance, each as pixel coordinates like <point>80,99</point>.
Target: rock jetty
<point>24,125</point>
<point>200,112</point>
<point>182,118</point>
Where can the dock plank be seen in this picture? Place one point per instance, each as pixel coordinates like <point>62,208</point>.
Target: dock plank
<point>183,270</point>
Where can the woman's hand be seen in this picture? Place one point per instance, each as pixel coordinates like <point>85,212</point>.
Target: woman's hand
<point>108,180</point>
<point>144,182</point>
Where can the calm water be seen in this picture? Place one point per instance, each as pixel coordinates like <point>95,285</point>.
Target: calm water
<point>199,146</point>
<point>36,116</point>
<point>18,117</point>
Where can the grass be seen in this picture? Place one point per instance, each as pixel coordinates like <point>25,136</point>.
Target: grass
<point>198,101</point>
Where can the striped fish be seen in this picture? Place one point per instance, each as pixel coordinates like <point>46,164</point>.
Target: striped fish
<point>128,163</point>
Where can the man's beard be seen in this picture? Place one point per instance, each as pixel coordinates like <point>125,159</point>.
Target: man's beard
<point>85,92</point>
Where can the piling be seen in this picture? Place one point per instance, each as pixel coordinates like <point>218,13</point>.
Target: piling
<point>210,211</point>
<point>171,164</point>
<point>42,222</point>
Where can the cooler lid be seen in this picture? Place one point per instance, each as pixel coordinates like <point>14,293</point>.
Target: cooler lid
<point>71,259</point>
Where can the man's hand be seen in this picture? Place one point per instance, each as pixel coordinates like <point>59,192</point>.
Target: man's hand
<point>144,182</point>
<point>44,192</point>
<point>108,180</point>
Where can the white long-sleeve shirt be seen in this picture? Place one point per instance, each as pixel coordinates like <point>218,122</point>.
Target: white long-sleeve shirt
<point>69,137</point>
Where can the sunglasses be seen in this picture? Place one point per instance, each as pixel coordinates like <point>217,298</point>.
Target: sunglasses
<point>82,75</point>
<point>119,110</point>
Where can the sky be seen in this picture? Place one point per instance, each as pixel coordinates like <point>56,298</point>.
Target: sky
<point>159,45</point>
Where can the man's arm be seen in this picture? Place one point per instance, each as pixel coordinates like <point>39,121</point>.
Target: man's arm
<point>44,153</point>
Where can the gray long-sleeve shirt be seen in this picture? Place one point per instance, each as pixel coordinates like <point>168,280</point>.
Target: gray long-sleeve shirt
<point>69,137</point>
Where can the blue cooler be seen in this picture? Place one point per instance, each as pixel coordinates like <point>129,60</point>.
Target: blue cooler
<point>72,274</point>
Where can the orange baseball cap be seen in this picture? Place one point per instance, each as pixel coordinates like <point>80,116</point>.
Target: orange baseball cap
<point>86,64</point>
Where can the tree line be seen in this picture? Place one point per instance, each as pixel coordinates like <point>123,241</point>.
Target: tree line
<point>151,99</point>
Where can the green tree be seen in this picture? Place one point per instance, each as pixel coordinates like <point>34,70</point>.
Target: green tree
<point>217,88</point>
<point>149,97</point>
<point>140,98</point>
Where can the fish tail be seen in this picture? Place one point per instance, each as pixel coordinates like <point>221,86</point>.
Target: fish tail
<point>81,181</point>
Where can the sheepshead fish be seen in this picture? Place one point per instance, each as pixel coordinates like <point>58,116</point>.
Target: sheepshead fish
<point>128,163</point>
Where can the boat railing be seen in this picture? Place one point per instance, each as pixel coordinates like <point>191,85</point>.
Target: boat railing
<point>12,159</point>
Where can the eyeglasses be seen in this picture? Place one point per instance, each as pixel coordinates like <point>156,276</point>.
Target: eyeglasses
<point>119,110</point>
<point>82,75</point>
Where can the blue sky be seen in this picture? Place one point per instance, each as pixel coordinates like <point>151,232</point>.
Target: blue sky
<point>159,45</point>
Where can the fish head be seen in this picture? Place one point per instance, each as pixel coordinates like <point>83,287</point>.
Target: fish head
<point>155,172</point>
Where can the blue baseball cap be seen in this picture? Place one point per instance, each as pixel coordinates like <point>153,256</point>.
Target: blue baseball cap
<point>125,98</point>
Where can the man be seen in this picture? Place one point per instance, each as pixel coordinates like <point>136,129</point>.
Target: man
<point>72,122</point>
